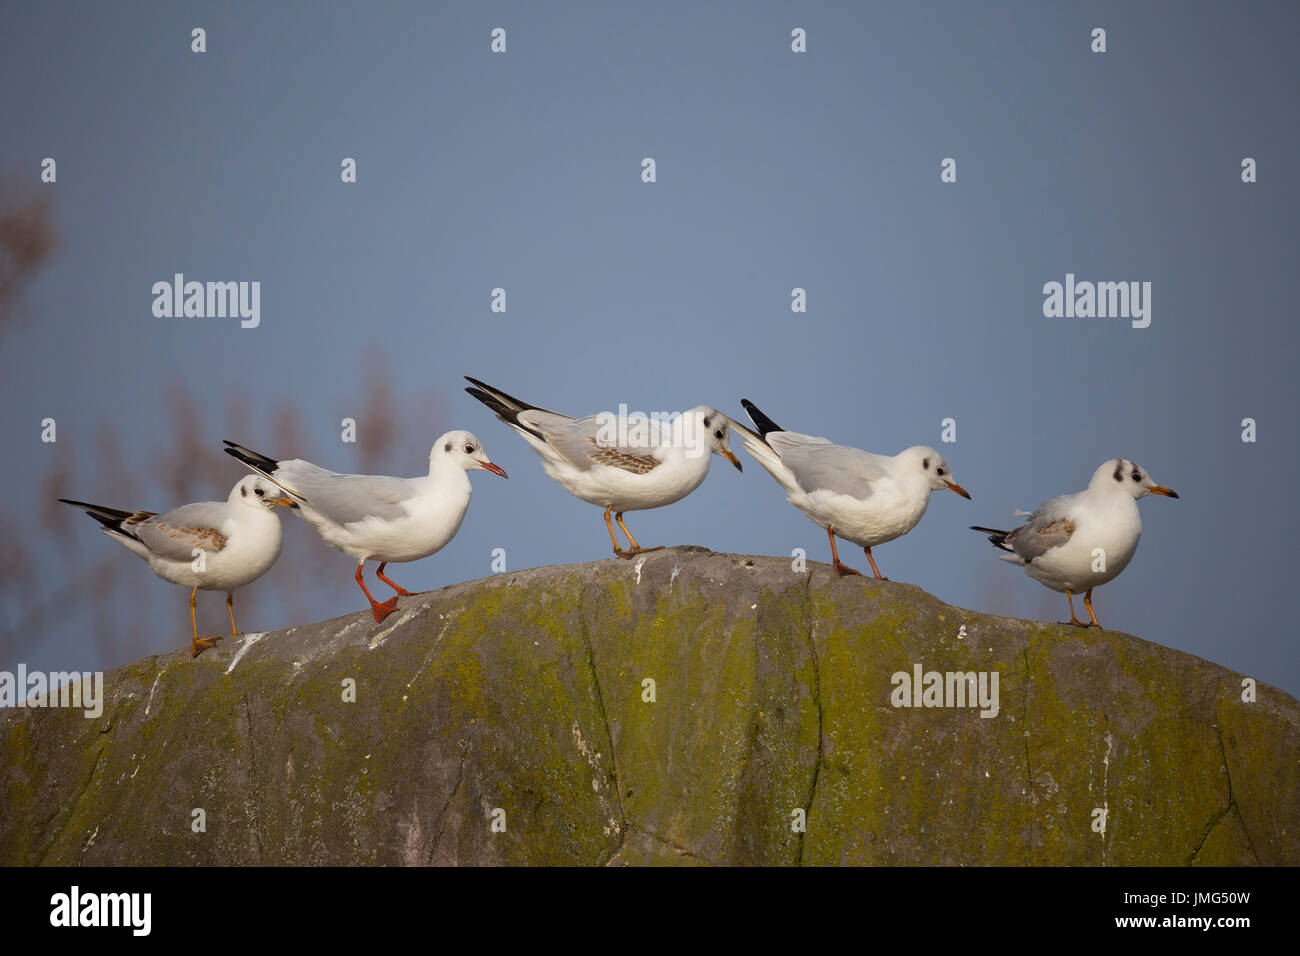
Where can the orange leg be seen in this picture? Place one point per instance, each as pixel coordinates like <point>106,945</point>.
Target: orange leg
<point>401,591</point>
<point>230,609</point>
<point>609,526</point>
<point>636,548</point>
<point>1087,602</point>
<point>380,611</point>
<point>841,569</point>
<point>199,644</point>
<point>879,576</point>
<point>1074,620</point>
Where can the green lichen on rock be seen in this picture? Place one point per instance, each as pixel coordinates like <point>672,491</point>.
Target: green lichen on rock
<point>685,707</point>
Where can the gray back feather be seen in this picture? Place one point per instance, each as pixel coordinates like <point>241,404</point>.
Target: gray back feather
<point>819,465</point>
<point>345,499</point>
<point>1050,526</point>
<point>177,533</point>
<point>585,442</point>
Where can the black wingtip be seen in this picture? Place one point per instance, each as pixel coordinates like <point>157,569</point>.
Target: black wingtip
<point>110,518</point>
<point>507,413</point>
<point>251,458</point>
<point>996,538</point>
<point>764,424</point>
<point>504,398</point>
<point>486,399</point>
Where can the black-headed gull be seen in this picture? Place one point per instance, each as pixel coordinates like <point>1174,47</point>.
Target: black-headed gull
<point>864,498</point>
<point>208,545</point>
<point>613,462</point>
<point>377,518</point>
<point>1078,542</point>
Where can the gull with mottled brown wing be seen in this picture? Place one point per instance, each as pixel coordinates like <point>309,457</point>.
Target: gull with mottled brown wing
<point>618,468</point>
<point>1078,542</point>
<point>208,545</point>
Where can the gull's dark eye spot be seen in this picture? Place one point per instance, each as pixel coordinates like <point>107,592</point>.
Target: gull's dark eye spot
<point>941,471</point>
<point>447,447</point>
<point>469,449</point>
<point>258,492</point>
<point>1137,476</point>
<point>717,434</point>
<point>925,463</point>
<point>243,492</point>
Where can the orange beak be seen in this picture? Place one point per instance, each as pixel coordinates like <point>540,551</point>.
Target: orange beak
<point>953,486</point>
<point>489,466</point>
<point>283,502</point>
<point>1162,490</point>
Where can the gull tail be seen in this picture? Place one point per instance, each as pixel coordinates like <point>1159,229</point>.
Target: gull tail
<point>258,462</point>
<point>110,518</point>
<point>764,424</point>
<point>112,521</point>
<point>506,406</point>
<point>264,466</point>
<point>997,538</point>
<point>761,451</point>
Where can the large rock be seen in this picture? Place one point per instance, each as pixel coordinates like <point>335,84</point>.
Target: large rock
<point>521,699</point>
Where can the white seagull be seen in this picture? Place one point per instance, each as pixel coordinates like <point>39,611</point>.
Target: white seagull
<point>377,518</point>
<point>212,545</point>
<point>1078,542</point>
<point>864,498</point>
<point>620,464</point>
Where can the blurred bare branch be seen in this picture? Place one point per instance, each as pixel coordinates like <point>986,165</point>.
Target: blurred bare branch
<point>54,517</point>
<point>377,425</point>
<point>27,238</point>
<point>195,460</point>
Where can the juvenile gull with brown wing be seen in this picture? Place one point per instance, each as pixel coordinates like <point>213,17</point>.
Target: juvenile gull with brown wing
<point>208,545</point>
<point>1078,542</point>
<point>607,462</point>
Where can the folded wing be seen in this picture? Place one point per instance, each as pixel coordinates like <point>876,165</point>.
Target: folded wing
<point>178,533</point>
<point>1050,526</point>
<point>587,442</point>
<point>818,465</point>
<point>345,499</point>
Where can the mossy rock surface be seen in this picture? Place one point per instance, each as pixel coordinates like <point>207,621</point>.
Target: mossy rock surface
<point>521,699</point>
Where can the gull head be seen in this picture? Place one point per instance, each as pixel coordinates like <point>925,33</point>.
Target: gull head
<point>254,491</point>
<point>460,449</point>
<point>1122,474</point>
<point>707,429</point>
<point>924,460</point>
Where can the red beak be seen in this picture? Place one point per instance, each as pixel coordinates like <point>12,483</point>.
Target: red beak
<point>495,469</point>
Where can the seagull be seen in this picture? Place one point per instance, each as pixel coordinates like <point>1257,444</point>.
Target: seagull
<point>213,545</point>
<point>864,498</point>
<point>377,518</point>
<point>1078,542</point>
<point>621,463</point>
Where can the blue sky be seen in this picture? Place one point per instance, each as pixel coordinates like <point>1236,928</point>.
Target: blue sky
<point>775,170</point>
